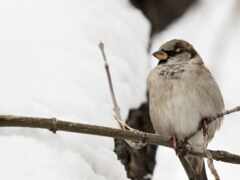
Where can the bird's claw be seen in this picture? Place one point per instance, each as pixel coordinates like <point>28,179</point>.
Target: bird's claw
<point>180,147</point>
<point>173,141</point>
<point>204,124</point>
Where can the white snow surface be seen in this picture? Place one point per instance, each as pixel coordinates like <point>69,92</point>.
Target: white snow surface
<point>50,66</point>
<point>213,28</point>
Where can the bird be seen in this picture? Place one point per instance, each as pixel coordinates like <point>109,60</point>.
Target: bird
<point>182,92</point>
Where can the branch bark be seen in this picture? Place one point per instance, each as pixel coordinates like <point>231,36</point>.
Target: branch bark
<point>55,125</point>
<point>213,118</point>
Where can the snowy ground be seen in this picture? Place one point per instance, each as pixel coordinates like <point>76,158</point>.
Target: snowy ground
<point>213,27</point>
<point>50,66</point>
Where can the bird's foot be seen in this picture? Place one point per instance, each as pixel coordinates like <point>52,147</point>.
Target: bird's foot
<point>173,141</point>
<point>175,144</point>
<point>180,147</point>
<point>204,125</point>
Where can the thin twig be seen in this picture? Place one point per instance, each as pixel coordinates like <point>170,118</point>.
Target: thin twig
<point>207,121</point>
<point>116,108</point>
<point>210,119</point>
<point>55,125</point>
<point>114,99</point>
<point>210,162</point>
<point>211,166</point>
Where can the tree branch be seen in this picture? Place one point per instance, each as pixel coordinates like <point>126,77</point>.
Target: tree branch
<point>219,115</point>
<point>210,119</point>
<point>116,109</point>
<point>55,125</point>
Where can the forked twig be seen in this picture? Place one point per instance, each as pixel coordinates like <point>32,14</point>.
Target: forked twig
<point>211,166</point>
<point>210,162</point>
<point>202,126</point>
<point>210,119</point>
<point>116,109</point>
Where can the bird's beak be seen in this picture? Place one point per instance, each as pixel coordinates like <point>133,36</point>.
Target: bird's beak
<point>160,55</point>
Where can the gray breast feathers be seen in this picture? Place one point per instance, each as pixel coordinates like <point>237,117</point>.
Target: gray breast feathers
<point>172,71</point>
<point>180,95</point>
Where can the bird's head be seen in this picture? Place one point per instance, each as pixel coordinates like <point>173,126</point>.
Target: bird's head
<point>174,48</point>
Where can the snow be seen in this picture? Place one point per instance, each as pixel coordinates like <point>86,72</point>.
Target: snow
<point>213,28</point>
<point>51,67</point>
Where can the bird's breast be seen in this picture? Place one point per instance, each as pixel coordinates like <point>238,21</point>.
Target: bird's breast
<point>171,71</point>
<point>174,108</point>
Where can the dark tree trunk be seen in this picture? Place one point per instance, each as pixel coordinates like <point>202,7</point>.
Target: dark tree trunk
<point>161,13</point>
<point>138,163</point>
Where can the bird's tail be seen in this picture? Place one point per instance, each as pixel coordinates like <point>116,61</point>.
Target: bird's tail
<point>194,167</point>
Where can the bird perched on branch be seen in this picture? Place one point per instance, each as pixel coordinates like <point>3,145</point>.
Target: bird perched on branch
<point>182,92</point>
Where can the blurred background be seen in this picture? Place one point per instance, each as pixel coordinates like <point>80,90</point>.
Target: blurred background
<point>50,66</point>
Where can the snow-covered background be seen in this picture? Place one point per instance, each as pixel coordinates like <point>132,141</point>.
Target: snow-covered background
<point>50,66</point>
<point>213,28</point>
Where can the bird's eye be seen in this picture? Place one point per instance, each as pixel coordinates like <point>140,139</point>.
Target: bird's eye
<point>178,50</point>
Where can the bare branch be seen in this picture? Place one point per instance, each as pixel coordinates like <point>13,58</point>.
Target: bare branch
<point>210,119</point>
<point>212,168</point>
<point>115,104</point>
<point>116,108</point>
<point>219,115</point>
<point>210,162</point>
<point>55,125</point>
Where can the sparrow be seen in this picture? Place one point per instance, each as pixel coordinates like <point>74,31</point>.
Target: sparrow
<point>182,92</point>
